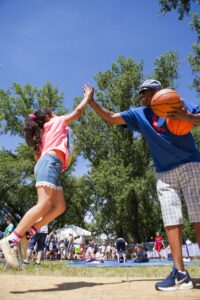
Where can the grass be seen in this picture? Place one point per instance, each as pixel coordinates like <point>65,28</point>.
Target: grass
<point>58,268</point>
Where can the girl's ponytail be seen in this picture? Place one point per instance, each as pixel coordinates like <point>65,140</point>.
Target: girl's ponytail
<point>33,127</point>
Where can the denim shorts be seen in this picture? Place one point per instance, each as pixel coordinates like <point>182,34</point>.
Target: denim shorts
<point>47,171</point>
<point>39,238</point>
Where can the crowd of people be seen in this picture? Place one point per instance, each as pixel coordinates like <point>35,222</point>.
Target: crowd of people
<point>53,246</point>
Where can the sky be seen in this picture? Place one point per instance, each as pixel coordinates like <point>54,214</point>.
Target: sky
<point>69,42</point>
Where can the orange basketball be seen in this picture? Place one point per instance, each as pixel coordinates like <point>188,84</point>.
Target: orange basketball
<point>179,127</point>
<point>164,101</point>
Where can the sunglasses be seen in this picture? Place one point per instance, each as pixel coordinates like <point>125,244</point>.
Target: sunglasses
<point>143,92</point>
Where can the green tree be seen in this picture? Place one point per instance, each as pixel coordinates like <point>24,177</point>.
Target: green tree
<point>122,173</point>
<point>166,69</point>
<point>194,58</point>
<point>16,183</point>
<point>186,8</point>
<point>78,195</point>
<point>18,102</point>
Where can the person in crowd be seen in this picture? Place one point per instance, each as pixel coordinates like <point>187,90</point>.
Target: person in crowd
<point>10,227</point>
<point>187,246</point>
<point>52,245</point>
<point>70,246</point>
<point>61,249</point>
<point>96,247</point>
<point>141,254</point>
<point>77,250</point>
<point>38,239</point>
<point>121,250</point>
<point>159,243</point>
<point>108,252</point>
<point>113,252</point>
<point>100,256</point>
<point>82,249</point>
<point>89,254</point>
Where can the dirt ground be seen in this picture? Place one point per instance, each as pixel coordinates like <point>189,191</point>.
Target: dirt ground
<point>17,287</point>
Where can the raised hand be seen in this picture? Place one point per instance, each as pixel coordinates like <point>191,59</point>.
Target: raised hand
<point>88,92</point>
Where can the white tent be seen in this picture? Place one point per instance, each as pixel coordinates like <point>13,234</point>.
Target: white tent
<point>79,240</point>
<point>72,229</point>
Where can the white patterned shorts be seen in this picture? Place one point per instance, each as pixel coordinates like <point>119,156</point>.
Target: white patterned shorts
<point>183,181</point>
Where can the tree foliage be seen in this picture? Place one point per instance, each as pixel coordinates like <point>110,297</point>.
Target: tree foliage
<point>166,69</point>
<point>183,7</point>
<point>194,58</point>
<point>18,102</point>
<point>16,183</point>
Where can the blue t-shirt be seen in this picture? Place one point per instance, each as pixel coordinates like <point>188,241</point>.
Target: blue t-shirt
<point>168,150</point>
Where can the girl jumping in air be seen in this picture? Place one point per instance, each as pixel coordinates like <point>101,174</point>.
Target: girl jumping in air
<point>46,134</point>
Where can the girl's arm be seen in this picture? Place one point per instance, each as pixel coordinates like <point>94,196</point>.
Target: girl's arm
<point>88,92</point>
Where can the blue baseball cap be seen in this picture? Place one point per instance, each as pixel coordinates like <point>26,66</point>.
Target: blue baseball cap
<point>150,84</point>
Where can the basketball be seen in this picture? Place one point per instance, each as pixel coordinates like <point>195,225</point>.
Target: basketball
<point>179,127</point>
<point>164,101</point>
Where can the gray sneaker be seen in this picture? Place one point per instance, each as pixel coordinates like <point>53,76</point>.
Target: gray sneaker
<point>10,252</point>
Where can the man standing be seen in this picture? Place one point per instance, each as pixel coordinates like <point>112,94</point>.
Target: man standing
<point>38,241</point>
<point>121,250</point>
<point>177,169</point>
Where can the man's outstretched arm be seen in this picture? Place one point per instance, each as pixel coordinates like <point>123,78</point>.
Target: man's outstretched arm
<point>107,115</point>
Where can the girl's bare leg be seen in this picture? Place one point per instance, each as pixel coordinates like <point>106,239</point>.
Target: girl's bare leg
<point>59,206</point>
<point>44,205</point>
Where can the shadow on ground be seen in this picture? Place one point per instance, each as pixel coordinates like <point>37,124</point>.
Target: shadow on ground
<point>73,285</point>
<point>82,284</point>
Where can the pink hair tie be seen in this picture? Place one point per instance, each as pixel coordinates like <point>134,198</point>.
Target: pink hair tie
<point>32,117</point>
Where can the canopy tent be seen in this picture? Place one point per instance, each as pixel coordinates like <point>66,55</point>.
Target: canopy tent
<point>72,229</point>
<point>79,240</point>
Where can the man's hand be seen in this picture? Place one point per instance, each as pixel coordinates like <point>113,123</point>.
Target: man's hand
<point>88,92</point>
<point>179,113</point>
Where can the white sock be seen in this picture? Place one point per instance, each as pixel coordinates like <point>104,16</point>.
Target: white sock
<point>15,237</point>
